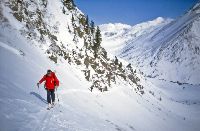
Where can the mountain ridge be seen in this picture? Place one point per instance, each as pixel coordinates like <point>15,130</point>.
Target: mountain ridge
<point>146,50</point>
<point>130,32</point>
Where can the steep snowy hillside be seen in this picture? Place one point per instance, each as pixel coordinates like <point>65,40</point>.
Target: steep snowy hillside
<point>169,52</point>
<point>55,34</point>
<point>64,33</point>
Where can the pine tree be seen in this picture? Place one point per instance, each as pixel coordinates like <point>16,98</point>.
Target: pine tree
<point>63,10</point>
<point>87,21</point>
<point>92,27</point>
<point>85,43</point>
<point>97,41</point>
<point>86,26</point>
<point>73,19</point>
<point>120,65</point>
<point>116,61</point>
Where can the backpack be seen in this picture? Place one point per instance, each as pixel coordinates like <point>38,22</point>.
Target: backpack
<point>53,74</point>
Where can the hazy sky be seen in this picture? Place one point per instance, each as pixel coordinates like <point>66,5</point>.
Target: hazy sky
<point>132,11</point>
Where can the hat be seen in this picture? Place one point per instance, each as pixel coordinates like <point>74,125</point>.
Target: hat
<point>49,71</point>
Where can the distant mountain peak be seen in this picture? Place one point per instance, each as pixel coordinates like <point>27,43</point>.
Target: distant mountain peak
<point>121,33</point>
<point>119,26</point>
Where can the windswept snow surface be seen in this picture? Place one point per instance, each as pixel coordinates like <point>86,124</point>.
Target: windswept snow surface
<point>23,105</point>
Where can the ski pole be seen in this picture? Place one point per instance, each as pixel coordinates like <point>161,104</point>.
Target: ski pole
<point>38,85</point>
<point>38,88</point>
<point>57,95</point>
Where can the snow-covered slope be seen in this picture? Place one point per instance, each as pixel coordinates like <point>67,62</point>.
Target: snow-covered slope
<point>23,106</point>
<point>26,52</point>
<point>116,36</point>
<point>170,51</point>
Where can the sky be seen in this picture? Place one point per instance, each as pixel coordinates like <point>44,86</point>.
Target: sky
<point>132,11</point>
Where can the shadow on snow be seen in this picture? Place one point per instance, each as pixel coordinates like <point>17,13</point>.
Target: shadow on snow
<point>38,96</point>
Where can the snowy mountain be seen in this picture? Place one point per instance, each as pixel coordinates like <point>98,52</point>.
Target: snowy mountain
<point>55,34</point>
<point>116,36</point>
<point>169,50</point>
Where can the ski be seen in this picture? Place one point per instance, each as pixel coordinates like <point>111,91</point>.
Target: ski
<point>52,106</point>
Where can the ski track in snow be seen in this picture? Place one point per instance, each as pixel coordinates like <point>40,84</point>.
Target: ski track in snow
<point>9,48</point>
<point>50,115</point>
<point>43,124</point>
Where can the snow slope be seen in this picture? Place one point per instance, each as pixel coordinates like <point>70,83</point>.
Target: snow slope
<point>170,51</point>
<point>23,105</point>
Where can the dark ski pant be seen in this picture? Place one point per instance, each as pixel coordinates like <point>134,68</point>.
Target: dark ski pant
<point>50,96</point>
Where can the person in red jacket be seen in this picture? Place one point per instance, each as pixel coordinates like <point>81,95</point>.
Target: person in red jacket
<point>51,83</point>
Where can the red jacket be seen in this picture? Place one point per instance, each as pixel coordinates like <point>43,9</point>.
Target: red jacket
<point>50,81</point>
